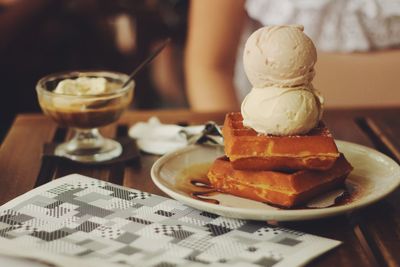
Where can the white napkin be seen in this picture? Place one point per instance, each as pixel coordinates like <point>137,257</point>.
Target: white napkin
<point>157,138</point>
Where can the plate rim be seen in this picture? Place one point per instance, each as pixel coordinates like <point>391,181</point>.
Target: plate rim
<point>281,214</point>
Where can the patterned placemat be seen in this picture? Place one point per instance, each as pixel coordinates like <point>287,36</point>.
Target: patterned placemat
<point>88,222</point>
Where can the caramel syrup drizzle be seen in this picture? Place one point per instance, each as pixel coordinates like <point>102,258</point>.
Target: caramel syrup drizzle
<point>194,182</point>
<point>206,191</point>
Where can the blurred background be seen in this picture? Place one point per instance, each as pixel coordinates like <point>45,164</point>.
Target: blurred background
<point>39,37</point>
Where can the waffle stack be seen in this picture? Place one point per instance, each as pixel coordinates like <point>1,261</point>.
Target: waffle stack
<point>286,171</point>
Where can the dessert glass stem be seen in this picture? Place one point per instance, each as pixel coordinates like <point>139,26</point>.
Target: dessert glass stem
<point>86,139</point>
<point>88,145</point>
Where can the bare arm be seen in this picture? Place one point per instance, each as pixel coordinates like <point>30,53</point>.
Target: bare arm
<point>213,38</point>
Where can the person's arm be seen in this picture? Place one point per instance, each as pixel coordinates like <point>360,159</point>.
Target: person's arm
<point>213,37</point>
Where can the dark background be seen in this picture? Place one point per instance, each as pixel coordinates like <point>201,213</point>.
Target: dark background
<point>61,35</point>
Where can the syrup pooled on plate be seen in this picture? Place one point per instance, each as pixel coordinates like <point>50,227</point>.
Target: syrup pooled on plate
<point>193,182</point>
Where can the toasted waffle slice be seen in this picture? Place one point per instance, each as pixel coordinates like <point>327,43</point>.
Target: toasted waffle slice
<point>279,188</point>
<point>249,150</point>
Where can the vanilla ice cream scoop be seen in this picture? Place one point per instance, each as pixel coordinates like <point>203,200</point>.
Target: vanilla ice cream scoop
<point>280,56</point>
<point>82,86</point>
<point>281,111</point>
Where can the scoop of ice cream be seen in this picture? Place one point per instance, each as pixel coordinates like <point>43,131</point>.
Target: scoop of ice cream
<point>281,111</point>
<point>281,56</point>
<point>82,86</point>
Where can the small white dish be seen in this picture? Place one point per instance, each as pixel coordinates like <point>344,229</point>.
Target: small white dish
<point>156,138</point>
<point>374,176</point>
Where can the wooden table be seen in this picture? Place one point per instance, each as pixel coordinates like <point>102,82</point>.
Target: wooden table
<point>371,237</point>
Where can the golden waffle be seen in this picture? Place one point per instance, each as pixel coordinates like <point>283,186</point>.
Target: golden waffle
<point>249,150</point>
<point>283,189</point>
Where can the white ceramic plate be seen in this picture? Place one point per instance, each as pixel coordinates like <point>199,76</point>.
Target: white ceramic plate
<point>374,176</point>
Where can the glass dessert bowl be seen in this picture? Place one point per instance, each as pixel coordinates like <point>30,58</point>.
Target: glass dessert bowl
<point>85,101</point>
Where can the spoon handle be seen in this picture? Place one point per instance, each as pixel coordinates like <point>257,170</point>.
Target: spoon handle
<point>147,61</point>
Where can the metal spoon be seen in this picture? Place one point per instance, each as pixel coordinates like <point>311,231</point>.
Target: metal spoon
<point>101,103</point>
<point>211,135</point>
<point>146,61</point>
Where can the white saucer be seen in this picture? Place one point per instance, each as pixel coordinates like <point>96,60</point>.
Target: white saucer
<point>374,176</point>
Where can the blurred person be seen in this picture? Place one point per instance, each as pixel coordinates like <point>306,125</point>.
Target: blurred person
<point>217,31</point>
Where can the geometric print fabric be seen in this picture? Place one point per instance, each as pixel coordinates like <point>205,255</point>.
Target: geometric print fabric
<point>85,218</point>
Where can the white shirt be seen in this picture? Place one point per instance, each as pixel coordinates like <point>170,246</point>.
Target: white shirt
<point>335,25</point>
